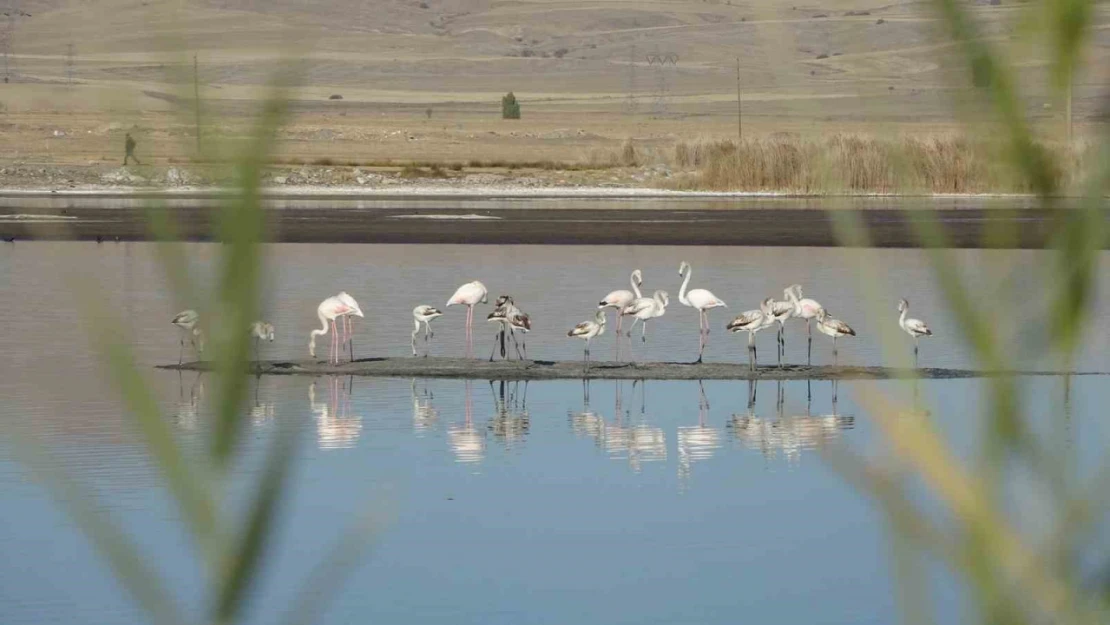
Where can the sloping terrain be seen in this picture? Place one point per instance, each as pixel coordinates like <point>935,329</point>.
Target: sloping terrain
<point>609,69</point>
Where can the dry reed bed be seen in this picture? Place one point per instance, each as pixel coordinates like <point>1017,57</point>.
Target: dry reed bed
<point>859,164</point>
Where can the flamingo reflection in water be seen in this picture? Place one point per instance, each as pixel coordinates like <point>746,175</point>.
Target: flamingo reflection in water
<point>336,428</point>
<point>511,421</point>
<point>637,443</point>
<point>424,414</point>
<point>261,412</point>
<point>588,423</point>
<point>788,435</point>
<point>467,442</point>
<point>696,442</point>
<point>187,415</point>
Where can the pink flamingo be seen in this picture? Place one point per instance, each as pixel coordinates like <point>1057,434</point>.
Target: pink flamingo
<point>807,309</point>
<point>328,311</point>
<point>469,295</point>
<point>701,299</point>
<point>620,299</point>
<point>348,329</point>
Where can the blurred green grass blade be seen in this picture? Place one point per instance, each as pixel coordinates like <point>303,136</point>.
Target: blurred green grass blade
<point>974,325</point>
<point>244,559</point>
<point>188,484</point>
<point>993,542</point>
<point>240,228</point>
<point>1035,163</point>
<point>1068,23</point>
<point>78,501</point>
<point>327,577</point>
<point>171,254</point>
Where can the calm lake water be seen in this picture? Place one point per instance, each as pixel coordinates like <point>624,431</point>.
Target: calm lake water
<point>656,502</point>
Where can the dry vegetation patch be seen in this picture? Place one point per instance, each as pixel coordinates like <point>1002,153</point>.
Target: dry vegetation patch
<point>847,163</point>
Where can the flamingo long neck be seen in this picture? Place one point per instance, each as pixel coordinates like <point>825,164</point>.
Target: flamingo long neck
<point>315,333</point>
<point>635,287</point>
<point>685,282</point>
<point>902,317</point>
<point>794,300</point>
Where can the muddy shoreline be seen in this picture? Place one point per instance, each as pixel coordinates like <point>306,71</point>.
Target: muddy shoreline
<point>462,368</point>
<point>550,220</point>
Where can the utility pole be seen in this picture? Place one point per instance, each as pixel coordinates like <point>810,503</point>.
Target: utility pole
<point>739,107</point>
<point>1068,112</point>
<point>196,99</point>
<point>631,105</point>
<point>69,64</point>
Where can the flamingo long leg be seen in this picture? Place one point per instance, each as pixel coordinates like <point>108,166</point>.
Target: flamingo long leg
<point>809,341</point>
<point>631,328</point>
<point>335,342</point>
<point>516,343</point>
<point>469,317</point>
<point>587,356</point>
<point>704,334</point>
<point>498,337</point>
<point>618,347</point>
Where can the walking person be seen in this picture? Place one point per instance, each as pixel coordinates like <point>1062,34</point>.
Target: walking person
<point>129,147</point>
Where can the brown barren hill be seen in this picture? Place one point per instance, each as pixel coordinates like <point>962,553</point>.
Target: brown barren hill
<point>421,80</point>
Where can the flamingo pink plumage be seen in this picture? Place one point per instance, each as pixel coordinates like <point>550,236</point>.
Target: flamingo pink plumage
<point>701,299</point>
<point>620,299</point>
<point>469,295</point>
<point>328,311</point>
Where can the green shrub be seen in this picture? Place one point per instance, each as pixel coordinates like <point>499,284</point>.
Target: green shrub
<point>510,108</point>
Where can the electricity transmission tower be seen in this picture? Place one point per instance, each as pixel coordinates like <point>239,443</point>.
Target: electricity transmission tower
<point>7,36</point>
<point>662,91</point>
<point>631,106</point>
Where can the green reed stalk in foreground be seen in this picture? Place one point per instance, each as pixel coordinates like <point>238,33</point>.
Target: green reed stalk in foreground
<point>231,550</point>
<point>1010,574</point>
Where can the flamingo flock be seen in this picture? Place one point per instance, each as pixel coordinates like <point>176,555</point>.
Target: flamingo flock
<point>512,324</point>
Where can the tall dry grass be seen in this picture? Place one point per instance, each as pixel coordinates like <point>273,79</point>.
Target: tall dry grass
<point>846,163</point>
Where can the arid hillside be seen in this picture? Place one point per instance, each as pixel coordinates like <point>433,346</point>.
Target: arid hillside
<point>422,79</point>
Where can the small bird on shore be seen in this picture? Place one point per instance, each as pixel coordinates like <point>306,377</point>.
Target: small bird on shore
<point>189,321</point>
<point>782,311</point>
<point>752,321</point>
<point>645,309</point>
<point>587,330</point>
<point>914,327</point>
<point>512,320</point>
<point>832,327</point>
<point>423,314</point>
<point>261,331</point>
